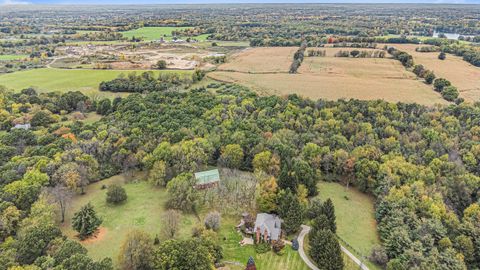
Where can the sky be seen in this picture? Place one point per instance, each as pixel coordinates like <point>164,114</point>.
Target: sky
<point>86,2</point>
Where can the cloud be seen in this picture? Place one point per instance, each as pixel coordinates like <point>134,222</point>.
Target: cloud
<point>13,2</point>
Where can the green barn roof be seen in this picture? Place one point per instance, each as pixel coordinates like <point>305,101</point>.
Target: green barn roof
<point>207,177</point>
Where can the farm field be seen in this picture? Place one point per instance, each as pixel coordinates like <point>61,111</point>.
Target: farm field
<point>326,77</point>
<point>463,75</point>
<point>50,79</point>
<point>153,33</point>
<point>261,60</point>
<point>355,217</point>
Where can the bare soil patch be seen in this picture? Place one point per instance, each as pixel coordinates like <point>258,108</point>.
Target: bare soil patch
<point>99,235</point>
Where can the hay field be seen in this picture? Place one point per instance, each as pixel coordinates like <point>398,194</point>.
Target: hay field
<point>463,75</point>
<point>261,60</point>
<point>327,77</point>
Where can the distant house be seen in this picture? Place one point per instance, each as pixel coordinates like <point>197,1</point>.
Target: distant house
<point>207,179</point>
<point>268,227</point>
<point>22,126</point>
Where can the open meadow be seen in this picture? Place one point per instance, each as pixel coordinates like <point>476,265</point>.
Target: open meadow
<point>51,79</point>
<point>153,33</point>
<point>142,210</point>
<point>266,71</point>
<point>355,214</point>
<point>463,75</point>
<point>8,57</point>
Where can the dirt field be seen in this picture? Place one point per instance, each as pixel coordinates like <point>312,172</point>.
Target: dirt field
<point>124,57</point>
<point>327,77</point>
<point>462,75</point>
<point>260,60</point>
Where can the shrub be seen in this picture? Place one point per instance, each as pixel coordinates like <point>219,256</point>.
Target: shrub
<point>278,245</point>
<point>450,93</point>
<point>442,56</point>
<point>161,64</point>
<point>262,248</point>
<point>116,194</point>
<point>441,83</point>
<point>378,255</point>
<point>212,221</point>
<point>429,77</point>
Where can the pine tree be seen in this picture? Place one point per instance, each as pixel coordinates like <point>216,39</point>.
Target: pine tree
<point>251,264</point>
<point>320,223</point>
<point>325,250</point>
<point>85,221</point>
<point>290,210</point>
<point>329,212</point>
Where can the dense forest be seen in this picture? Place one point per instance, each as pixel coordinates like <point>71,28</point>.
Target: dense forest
<point>420,163</point>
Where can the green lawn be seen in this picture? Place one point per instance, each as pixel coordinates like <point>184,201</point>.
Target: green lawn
<point>7,57</point>
<point>153,33</point>
<point>355,217</point>
<point>233,252</point>
<point>142,210</point>
<point>50,79</point>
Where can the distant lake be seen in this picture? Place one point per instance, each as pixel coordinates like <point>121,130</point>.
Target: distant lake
<point>450,35</point>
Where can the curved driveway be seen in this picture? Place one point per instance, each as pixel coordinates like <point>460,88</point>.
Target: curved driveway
<point>305,230</point>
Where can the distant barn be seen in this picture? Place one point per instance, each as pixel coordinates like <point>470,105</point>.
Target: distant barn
<point>207,179</point>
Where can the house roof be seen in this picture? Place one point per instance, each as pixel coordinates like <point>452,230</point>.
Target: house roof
<point>271,223</point>
<point>207,177</point>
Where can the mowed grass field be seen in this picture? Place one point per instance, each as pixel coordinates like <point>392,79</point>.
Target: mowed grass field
<point>463,75</point>
<point>51,79</point>
<point>153,33</point>
<point>326,77</point>
<point>356,222</point>
<point>8,57</point>
<point>142,210</point>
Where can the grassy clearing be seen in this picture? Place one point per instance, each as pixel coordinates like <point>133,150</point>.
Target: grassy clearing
<point>355,217</point>
<point>142,210</point>
<point>153,33</point>
<point>50,79</point>
<point>463,75</point>
<point>326,77</point>
<point>8,57</point>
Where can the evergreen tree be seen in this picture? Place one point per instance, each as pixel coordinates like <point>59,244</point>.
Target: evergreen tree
<point>325,250</point>
<point>251,264</point>
<point>329,212</point>
<point>285,180</point>
<point>320,223</point>
<point>85,221</point>
<point>290,210</point>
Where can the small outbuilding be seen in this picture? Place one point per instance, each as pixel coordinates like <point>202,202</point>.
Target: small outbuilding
<point>268,227</point>
<point>22,126</point>
<point>207,179</point>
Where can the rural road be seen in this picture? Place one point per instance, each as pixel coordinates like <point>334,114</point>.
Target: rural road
<point>305,230</point>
